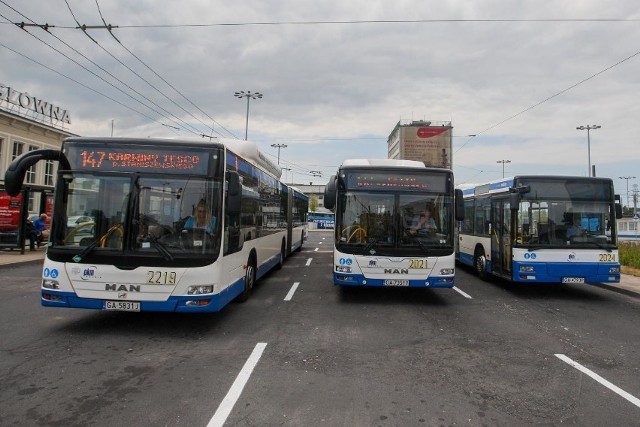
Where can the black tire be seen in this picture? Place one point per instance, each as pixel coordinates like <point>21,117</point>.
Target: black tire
<point>282,256</point>
<point>249,281</point>
<point>480,264</point>
<point>299,248</point>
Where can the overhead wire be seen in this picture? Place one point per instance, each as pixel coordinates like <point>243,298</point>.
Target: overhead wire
<point>586,79</point>
<point>79,83</point>
<point>110,29</point>
<point>375,22</point>
<point>166,82</point>
<point>193,129</point>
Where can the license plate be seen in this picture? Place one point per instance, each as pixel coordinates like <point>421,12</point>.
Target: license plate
<point>396,282</point>
<point>573,280</point>
<point>122,305</point>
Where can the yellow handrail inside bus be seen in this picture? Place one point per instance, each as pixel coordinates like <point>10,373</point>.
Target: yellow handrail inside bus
<point>355,232</point>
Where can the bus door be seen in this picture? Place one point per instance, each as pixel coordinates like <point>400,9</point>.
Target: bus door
<point>501,237</point>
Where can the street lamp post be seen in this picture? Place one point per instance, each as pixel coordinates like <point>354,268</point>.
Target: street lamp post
<point>627,178</point>
<point>286,171</point>
<point>249,95</point>
<point>503,162</point>
<point>589,128</point>
<point>279,146</point>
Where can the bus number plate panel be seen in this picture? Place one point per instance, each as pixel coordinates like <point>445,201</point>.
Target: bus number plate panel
<point>122,305</point>
<point>417,263</point>
<point>573,280</point>
<point>395,282</point>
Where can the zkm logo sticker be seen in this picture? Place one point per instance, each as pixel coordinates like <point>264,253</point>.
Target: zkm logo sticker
<point>529,256</point>
<point>373,263</point>
<point>89,273</point>
<point>572,256</point>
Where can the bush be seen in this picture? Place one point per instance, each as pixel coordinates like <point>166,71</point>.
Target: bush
<point>629,254</point>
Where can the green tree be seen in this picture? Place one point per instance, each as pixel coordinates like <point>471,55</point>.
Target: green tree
<point>313,203</point>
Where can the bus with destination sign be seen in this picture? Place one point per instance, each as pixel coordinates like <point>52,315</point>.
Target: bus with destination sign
<point>541,228</point>
<point>163,225</point>
<point>394,223</point>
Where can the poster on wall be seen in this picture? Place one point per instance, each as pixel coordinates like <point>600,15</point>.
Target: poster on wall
<point>9,211</point>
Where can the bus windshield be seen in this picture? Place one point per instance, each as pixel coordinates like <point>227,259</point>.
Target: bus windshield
<point>378,223</point>
<point>565,212</point>
<point>166,217</point>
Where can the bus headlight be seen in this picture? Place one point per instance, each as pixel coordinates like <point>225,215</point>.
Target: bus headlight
<point>343,269</point>
<point>50,284</point>
<point>527,269</point>
<point>446,271</point>
<point>200,290</point>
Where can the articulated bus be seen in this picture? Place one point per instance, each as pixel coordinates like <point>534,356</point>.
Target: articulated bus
<point>380,237</point>
<point>551,229</point>
<point>141,245</point>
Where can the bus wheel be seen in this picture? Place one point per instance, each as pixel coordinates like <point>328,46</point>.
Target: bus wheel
<point>282,256</point>
<point>480,263</point>
<point>299,248</point>
<point>249,281</point>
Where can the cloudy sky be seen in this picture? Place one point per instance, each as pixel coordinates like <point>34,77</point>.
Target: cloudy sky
<point>337,76</point>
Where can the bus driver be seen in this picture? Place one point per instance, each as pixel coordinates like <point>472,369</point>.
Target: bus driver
<point>203,219</point>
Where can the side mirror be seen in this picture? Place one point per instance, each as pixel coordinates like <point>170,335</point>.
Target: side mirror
<point>514,201</point>
<point>459,205</point>
<point>330,193</point>
<point>618,210</point>
<point>234,193</point>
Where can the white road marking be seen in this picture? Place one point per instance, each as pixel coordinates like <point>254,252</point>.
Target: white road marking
<point>464,294</point>
<point>316,249</point>
<point>234,392</point>
<point>601,380</point>
<point>291,291</point>
<point>308,262</point>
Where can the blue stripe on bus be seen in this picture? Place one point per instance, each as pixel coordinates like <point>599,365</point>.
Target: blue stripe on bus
<point>552,272</point>
<point>172,304</point>
<point>358,279</point>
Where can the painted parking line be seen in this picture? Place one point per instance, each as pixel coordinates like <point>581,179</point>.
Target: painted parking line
<point>308,262</point>
<point>234,392</point>
<point>464,294</point>
<point>601,380</point>
<point>291,291</point>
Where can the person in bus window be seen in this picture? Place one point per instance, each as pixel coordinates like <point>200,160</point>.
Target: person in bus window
<point>575,229</point>
<point>202,219</point>
<point>425,224</point>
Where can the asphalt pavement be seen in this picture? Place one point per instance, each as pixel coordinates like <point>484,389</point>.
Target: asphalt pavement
<point>629,284</point>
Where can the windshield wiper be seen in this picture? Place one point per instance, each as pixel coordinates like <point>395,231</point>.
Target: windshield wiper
<point>160,247</point>
<point>86,251</point>
<point>370,245</point>
<point>415,238</point>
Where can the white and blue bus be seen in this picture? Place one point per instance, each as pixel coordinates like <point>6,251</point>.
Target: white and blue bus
<point>139,247</point>
<point>378,238</point>
<point>538,228</point>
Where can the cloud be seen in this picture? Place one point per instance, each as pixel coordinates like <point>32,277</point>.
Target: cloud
<point>350,81</point>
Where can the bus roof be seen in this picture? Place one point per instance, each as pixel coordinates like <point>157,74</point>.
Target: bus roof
<point>504,184</point>
<point>351,163</point>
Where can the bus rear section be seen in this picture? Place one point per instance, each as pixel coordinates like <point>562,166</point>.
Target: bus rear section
<point>382,209</point>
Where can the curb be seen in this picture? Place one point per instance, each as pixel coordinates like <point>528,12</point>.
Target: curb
<point>617,289</point>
